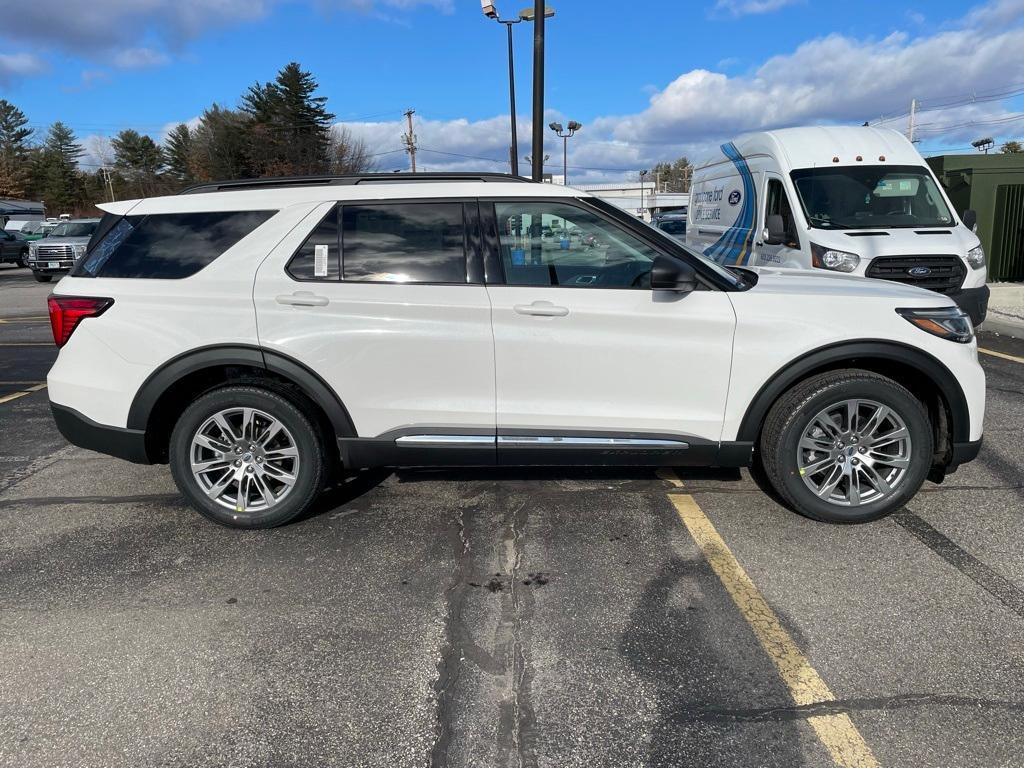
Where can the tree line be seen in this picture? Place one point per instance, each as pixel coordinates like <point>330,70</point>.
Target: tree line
<point>279,128</point>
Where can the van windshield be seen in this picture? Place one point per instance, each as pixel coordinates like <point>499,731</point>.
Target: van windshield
<point>870,197</point>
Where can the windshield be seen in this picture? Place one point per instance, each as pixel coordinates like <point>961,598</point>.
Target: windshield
<point>870,197</point>
<point>673,227</point>
<point>74,229</point>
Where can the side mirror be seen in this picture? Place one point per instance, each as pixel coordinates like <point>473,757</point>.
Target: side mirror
<point>970,218</point>
<point>775,232</point>
<point>669,274</point>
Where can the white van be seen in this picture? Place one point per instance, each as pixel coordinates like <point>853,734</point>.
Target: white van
<point>855,200</point>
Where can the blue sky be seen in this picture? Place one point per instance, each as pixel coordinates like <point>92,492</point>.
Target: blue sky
<point>652,82</point>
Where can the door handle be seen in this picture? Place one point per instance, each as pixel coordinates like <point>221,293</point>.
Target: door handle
<point>303,299</point>
<point>541,309</point>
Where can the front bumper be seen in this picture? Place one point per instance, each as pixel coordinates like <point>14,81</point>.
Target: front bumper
<point>973,301</point>
<point>80,430</point>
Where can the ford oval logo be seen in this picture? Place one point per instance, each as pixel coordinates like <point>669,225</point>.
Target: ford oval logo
<point>919,271</point>
<point>734,197</point>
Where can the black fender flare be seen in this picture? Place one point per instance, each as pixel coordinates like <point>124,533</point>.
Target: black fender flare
<point>164,377</point>
<point>893,351</point>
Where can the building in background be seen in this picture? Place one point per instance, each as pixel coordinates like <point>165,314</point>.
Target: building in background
<point>992,185</point>
<point>626,195</point>
<point>20,210</point>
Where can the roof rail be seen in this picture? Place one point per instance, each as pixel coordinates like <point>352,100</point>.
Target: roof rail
<point>348,180</point>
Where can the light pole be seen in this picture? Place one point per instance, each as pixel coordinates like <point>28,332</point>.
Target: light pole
<point>565,136</point>
<point>642,175</point>
<point>491,11</point>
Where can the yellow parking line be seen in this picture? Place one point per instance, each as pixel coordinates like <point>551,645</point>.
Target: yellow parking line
<point>1003,355</point>
<point>22,393</point>
<point>26,343</point>
<point>837,732</point>
<point>27,320</point>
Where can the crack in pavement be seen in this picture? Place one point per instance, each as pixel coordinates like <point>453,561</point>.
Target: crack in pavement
<point>50,501</point>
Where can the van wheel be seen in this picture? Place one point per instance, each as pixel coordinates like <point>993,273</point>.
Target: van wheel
<point>40,278</point>
<point>847,446</point>
<point>247,458</point>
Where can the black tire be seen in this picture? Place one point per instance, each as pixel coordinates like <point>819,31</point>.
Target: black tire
<point>308,441</point>
<point>40,278</point>
<point>21,259</point>
<point>792,414</point>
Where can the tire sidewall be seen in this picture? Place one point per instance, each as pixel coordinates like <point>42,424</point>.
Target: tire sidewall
<point>311,464</point>
<point>904,404</point>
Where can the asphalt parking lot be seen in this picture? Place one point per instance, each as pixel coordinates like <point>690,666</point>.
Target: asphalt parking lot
<point>501,618</point>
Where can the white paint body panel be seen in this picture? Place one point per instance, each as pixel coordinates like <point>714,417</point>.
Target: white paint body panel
<point>620,360</point>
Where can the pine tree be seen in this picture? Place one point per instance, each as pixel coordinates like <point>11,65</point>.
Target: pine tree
<point>14,151</point>
<point>139,160</point>
<point>56,170</point>
<point>178,153</point>
<point>220,145</point>
<point>290,127</point>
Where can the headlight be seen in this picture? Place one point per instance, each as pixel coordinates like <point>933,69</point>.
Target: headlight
<point>950,323</point>
<point>78,251</point>
<point>837,261</point>
<point>976,257</point>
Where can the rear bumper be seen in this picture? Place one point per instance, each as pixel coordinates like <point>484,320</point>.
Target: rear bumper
<point>80,430</point>
<point>973,301</point>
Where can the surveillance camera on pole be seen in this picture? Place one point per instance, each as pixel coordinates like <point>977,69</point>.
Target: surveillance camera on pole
<point>488,8</point>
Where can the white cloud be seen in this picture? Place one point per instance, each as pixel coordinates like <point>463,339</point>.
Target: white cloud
<point>140,58</point>
<point>18,65</point>
<point>751,7</point>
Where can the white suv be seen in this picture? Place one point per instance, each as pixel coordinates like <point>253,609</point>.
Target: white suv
<point>262,336</point>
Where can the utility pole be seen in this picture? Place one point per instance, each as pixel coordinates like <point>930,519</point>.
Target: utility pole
<point>913,114</point>
<point>410,140</point>
<point>109,181</point>
<point>538,90</point>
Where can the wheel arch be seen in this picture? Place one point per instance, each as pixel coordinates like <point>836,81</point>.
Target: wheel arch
<point>168,389</point>
<point>915,369</point>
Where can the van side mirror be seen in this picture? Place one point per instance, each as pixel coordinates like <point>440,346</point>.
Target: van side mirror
<point>970,218</point>
<point>668,274</point>
<point>775,232</point>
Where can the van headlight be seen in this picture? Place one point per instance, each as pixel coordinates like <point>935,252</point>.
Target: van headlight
<point>950,323</point>
<point>976,257</point>
<point>837,261</point>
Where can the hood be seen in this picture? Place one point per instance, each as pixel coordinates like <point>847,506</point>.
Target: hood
<point>954,240</point>
<point>821,283</point>
<point>64,240</point>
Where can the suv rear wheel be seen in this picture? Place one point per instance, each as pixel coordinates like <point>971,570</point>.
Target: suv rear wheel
<point>247,458</point>
<point>847,446</point>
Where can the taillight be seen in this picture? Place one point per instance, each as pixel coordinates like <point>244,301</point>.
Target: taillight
<point>66,312</point>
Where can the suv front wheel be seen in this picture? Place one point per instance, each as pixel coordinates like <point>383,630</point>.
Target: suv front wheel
<point>847,446</point>
<point>247,458</point>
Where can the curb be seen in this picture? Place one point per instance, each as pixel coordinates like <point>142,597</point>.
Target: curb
<point>1014,328</point>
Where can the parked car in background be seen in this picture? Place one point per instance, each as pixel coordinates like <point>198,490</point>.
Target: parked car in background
<point>60,249</point>
<point>673,225</point>
<point>36,230</point>
<point>853,200</point>
<point>261,336</point>
<point>13,248</point>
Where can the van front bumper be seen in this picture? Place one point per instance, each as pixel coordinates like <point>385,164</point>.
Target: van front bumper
<point>973,301</point>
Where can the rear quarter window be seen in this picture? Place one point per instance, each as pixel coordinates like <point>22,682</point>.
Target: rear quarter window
<point>166,246</point>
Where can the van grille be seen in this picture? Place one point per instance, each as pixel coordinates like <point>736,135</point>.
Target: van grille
<point>946,273</point>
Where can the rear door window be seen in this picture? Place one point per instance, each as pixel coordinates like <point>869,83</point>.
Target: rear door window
<point>404,243</point>
<point>167,246</point>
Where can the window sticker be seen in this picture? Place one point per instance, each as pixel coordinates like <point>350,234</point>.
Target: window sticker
<point>320,261</point>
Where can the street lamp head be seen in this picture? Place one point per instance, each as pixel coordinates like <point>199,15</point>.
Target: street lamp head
<point>488,8</point>
<point>643,173</point>
<point>556,127</point>
<point>574,126</point>
<point>527,13</point>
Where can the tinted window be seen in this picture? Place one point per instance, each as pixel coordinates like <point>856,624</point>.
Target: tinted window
<point>778,204</point>
<point>404,243</point>
<point>317,258</point>
<point>167,246</point>
<point>557,244</point>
